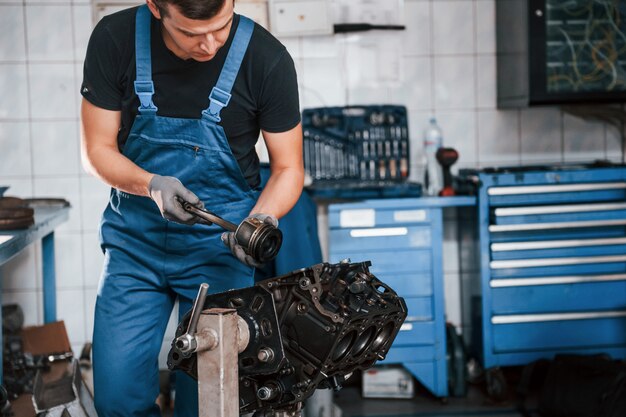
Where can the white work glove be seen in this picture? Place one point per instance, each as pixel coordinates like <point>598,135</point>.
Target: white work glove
<point>167,193</point>
<point>237,250</point>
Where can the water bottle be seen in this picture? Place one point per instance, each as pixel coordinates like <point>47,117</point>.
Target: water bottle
<point>433,176</point>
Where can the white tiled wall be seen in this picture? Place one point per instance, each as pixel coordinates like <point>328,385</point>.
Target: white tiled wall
<point>41,53</point>
<point>447,69</point>
<point>443,64</point>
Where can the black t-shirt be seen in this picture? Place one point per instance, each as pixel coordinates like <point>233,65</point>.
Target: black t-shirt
<point>265,94</point>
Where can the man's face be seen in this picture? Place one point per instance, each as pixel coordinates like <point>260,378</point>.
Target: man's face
<point>196,39</point>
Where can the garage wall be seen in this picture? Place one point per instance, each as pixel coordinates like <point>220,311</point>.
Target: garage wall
<point>444,65</point>
<point>41,53</point>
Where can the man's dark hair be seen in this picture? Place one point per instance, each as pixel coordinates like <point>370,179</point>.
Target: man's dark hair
<point>192,9</point>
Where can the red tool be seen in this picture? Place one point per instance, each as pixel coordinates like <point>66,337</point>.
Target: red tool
<point>446,158</point>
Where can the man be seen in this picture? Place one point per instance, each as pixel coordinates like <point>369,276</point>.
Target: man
<point>174,96</point>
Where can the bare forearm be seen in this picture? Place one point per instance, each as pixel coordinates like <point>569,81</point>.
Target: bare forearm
<point>101,156</point>
<point>116,170</point>
<point>281,192</point>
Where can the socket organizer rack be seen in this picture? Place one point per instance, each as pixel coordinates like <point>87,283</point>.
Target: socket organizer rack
<point>365,143</point>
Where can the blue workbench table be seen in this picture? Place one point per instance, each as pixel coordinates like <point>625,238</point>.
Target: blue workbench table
<point>12,242</point>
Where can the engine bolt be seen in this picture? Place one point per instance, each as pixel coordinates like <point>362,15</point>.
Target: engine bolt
<point>265,355</point>
<point>265,393</point>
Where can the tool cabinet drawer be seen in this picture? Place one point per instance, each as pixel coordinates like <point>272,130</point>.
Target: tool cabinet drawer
<point>396,237</point>
<point>552,191</point>
<point>597,232</point>
<point>566,198</point>
<point>557,225</point>
<point>419,308</point>
<point>416,333</point>
<point>559,331</point>
<point>535,249</point>
<point>419,353</point>
<point>353,216</point>
<point>571,213</point>
<point>546,297</point>
<point>408,284</point>
<point>578,266</point>
<point>417,261</point>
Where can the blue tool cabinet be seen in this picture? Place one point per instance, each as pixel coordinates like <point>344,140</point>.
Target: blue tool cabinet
<point>403,240</point>
<point>553,264</point>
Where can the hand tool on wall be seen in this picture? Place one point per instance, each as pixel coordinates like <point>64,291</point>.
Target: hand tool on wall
<point>258,239</point>
<point>362,27</point>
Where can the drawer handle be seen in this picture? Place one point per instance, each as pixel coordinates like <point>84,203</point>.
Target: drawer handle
<point>559,225</point>
<point>563,188</point>
<point>532,318</point>
<point>413,319</point>
<point>569,208</point>
<point>556,244</point>
<point>531,263</point>
<point>574,279</point>
<point>379,232</point>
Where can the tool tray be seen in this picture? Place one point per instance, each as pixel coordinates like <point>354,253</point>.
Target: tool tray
<point>358,143</point>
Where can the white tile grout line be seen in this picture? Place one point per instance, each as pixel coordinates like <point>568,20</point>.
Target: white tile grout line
<point>562,135</point>
<point>476,93</point>
<point>431,55</point>
<point>519,136</point>
<point>38,254</point>
<point>28,88</point>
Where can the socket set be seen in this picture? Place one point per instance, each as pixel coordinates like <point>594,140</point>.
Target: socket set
<point>364,143</point>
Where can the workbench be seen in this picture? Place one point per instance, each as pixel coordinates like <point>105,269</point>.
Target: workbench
<point>12,242</point>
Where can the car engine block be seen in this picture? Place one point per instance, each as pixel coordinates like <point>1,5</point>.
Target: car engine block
<point>309,329</point>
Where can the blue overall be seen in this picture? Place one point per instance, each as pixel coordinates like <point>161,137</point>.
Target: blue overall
<point>150,261</point>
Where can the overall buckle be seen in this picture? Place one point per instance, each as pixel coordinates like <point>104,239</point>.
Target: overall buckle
<point>218,99</point>
<point>145,90</point>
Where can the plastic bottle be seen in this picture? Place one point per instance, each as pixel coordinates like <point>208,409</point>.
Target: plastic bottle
<point>433,176</point>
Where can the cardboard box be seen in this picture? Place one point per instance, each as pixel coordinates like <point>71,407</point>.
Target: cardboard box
<point>42,340</point>
<point>388,382</point>
<point>47,339</point>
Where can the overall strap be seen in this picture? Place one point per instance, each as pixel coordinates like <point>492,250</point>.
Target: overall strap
<point>220,94</point>
<point>144,87</point>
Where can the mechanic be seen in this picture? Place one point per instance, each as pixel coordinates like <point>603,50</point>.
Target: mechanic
<point>175,93</point>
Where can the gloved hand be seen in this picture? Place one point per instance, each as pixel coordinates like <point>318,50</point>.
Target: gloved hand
<point>165,191</point>
<point>237,250</point>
